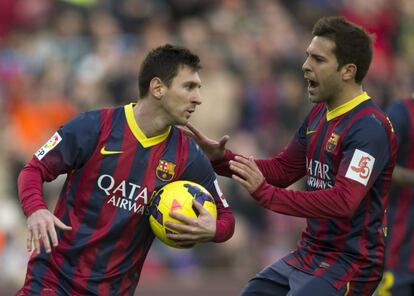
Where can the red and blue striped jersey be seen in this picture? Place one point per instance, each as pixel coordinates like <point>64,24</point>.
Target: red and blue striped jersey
<point>347,155</point>
<point>400,239</point>
<point>112,170</point>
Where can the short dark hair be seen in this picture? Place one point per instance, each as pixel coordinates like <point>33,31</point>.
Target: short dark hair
<point>353,45</point>
<point>163,62</point>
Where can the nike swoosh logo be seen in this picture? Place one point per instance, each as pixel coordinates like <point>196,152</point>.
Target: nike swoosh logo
<point>108,152</point>
<point>308,132</point>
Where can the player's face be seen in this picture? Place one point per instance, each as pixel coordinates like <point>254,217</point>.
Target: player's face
<point>182,97</point>
<point>321,71</point>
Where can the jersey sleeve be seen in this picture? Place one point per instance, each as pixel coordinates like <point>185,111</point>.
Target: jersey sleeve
<point>199,170</point>
<point>68,149</point>
<point>366,152</point>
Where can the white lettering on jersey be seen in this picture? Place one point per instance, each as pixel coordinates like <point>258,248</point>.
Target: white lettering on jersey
<point>220,194</point>
<point>318,174</point>
<point>361,166</point>
<point>125,195</point>
<point>317,169</point>
<point>52,143</point>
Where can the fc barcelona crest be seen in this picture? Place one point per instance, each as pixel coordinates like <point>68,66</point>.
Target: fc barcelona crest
<point>165,170</point>
<point>332,142</point>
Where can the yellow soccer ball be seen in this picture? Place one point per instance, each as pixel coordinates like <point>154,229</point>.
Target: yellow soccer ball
<point>177,197</point>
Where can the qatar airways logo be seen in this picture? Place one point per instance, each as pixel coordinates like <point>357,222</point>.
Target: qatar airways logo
<point>125,195</point>
<point>318,174</point>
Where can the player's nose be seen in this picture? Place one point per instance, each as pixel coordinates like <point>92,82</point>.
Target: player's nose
<point>196,97</point>
<point>306,66</point>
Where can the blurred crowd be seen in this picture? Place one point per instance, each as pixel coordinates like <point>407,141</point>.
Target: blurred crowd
<point>59,58</point>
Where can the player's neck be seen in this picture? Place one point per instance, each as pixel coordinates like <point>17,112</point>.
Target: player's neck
<point>346,95</point>
<point>149,121</point>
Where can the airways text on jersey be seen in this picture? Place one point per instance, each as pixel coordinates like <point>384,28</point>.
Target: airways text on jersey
<point>318,174</point>
<point>125,195</point>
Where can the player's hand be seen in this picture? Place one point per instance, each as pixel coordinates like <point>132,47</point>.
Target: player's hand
<point>214,150</point>
<point>41,225</point>
<point>194,230</point>
<point>247,173</point>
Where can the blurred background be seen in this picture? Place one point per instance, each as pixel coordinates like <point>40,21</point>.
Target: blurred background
<point>58,58</point>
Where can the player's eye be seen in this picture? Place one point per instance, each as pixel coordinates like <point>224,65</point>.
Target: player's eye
<point>319,59</point>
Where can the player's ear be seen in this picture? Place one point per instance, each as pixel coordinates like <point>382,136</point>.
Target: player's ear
<point>157,87</point>
<point>348,72</point>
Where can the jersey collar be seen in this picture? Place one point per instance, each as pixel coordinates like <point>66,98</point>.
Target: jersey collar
<point>141,137</point>
<point>342,109</point>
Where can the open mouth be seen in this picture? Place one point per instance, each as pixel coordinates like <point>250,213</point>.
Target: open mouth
<point>312,84</point>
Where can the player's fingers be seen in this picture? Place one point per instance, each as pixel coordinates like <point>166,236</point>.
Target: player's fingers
<point>30,241</point>
<point>180,217</point>
<point>198,206</point>
<point>223,141</point>
<point>240,162</point>
<point>60,224</point>
<point>246,161</point>
<point>180,237</point>
<point>44,237</point>
<point>246,168</point>
<point>53,235</point>
<point>181,228</point>
<point>239,168</point>
<point>184,243</point>
<point>196,132</point>
<point>36,240</point>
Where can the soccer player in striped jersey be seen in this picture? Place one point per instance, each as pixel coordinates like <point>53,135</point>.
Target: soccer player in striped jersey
<point>346,148</point>
<point>96,241</point>
<point>398,277</point>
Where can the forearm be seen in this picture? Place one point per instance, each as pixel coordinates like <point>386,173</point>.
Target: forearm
<point>277,173</point>
<point>329,203</point>
<point>29,186</point>
<point>224,225</point>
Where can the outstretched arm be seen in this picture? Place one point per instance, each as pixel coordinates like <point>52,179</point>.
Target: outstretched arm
<point>339,201</point>
<point>281,170</point>
<point>343,198</point>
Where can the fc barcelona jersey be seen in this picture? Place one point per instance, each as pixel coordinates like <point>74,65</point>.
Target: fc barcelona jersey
<point>112,170</point>
<point>347,156</point>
